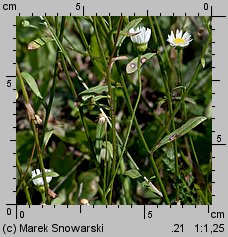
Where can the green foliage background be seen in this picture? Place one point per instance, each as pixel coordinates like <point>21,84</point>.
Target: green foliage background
<point>66,147</point>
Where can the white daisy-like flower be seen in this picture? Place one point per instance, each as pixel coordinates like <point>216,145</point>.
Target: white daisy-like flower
<point>39,181</point>
<point>181,40</point>
<point>140,37</point>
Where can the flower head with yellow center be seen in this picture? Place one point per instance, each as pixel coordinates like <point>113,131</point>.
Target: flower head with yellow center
<point>140,37</point>
<point>180,40</point>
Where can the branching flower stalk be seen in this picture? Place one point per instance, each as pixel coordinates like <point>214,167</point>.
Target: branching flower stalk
<point>187,89</point>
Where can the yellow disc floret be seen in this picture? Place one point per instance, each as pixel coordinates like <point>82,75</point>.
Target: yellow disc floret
<point>179,41</point>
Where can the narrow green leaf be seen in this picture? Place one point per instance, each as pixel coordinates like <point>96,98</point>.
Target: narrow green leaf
<point>133,173</point>
<point>185,128</point>
<point>32,83</point>
<point>132,65</point>
<point>187,99</point>
<point>47,136</point>
<point>39,42</point>
<point>94,90</point>
<point>126,29</point>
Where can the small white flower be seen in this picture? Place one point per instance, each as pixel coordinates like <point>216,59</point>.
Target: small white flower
<point>140,37</point>
<point>181,40</point>
<point>39,181</point>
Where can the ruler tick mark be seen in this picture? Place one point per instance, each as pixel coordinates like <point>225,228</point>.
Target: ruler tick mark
<point>144,212</point>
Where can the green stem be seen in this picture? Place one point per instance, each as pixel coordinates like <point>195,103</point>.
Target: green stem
<point>162,41</point>
<point>24,185</point>
<point>143,142</point>
<point>131,120</point>
<point>185,111</point>
<point>52,91</point>
<point>24,174</point>
<point>35,133</point>
<point>84,41</point>
<point>63,51</point>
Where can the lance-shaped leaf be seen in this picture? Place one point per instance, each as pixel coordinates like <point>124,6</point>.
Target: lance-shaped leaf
<point>133,65</point>
<point>185,128</point>
<point>94,90</point>
<point>39,42</point>
<point>32,83</point>
<point>133,173</point>
<point>144,181</point>
<point>93,93</point>
<point>126,29</point>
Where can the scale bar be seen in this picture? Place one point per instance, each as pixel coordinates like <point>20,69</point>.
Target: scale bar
<point>218,144</point>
